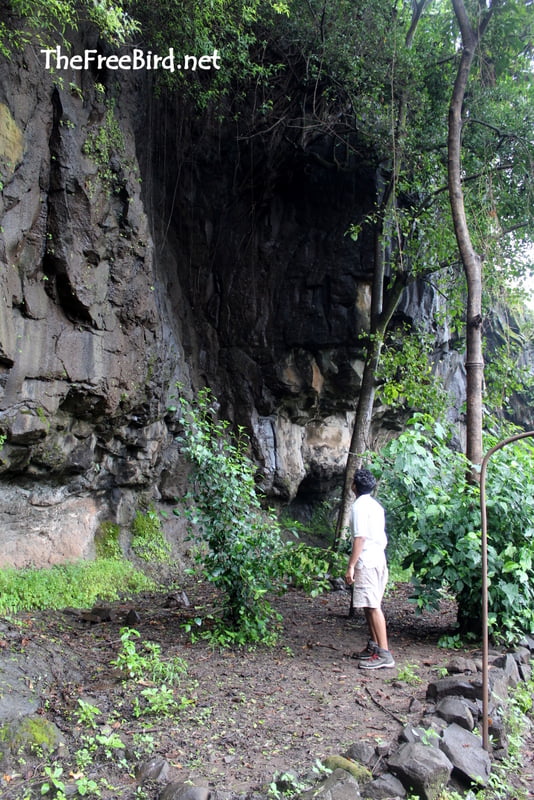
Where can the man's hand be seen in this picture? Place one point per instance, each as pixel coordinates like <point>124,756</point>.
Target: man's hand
<point>357,548</point>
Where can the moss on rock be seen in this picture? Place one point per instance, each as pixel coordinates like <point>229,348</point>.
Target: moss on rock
<point>31,735</point>
<point>358,771</point>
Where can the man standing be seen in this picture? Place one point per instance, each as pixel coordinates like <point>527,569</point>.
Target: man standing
<point>367,569</point>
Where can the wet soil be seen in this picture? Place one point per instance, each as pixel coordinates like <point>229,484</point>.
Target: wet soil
<point>245,716</point>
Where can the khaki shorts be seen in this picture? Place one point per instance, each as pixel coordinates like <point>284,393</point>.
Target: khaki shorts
<point>369,586</point>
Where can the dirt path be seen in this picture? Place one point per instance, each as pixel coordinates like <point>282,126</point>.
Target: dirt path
<point>249,715</point>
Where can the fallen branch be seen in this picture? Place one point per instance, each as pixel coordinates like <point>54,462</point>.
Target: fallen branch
<point>386,710</point>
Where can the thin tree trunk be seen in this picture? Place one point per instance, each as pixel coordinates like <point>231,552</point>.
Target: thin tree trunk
<point>380,316</point>
<point>364,411</point>
<point>471,260</point>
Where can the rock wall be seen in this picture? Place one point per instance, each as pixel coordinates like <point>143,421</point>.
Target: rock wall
<point>141,247</point>
<point>85,358</point>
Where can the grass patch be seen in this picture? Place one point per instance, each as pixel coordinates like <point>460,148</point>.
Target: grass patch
<point>79,585</point>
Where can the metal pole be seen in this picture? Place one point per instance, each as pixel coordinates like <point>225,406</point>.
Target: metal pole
<point>484,554</point>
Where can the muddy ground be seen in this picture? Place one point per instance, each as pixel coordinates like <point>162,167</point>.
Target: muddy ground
<point>245,716</point>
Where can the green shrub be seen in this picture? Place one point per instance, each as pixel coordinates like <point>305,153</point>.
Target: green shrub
<point>434,526</point>
<point>309,568</point>
<point>237,539</point>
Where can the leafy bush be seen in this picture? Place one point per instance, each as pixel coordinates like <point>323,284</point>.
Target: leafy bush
<point>434,526</point>
<point>309,568</point>
<point>238,539</point>
<point>79,585</point>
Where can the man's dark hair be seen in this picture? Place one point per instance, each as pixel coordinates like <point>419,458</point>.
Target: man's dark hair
<point>364,481</point>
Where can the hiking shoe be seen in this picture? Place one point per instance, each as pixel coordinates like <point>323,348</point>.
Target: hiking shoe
<point>370,649</point>
<point>380,658</point>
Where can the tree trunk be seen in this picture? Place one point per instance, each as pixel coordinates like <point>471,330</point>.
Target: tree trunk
<point>360,433</point>
<point>380,316</point>
<point>364,411</point>
<point>471,261</point>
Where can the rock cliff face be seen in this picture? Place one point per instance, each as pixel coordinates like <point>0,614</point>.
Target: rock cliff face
<point>141,248</point>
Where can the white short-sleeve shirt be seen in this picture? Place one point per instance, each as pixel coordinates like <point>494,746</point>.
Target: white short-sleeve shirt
<point>367,519</point>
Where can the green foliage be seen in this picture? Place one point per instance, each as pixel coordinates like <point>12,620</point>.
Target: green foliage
<point>408,674</point>
<point>434,525</point>
<point>86,713</point>
<point>54,784</point>
<point>79,585</point>
<point>159,701</point>
<point>194,27</point>
<point>319,527</point>
<point>148,539</point>
<point>284,786</point>
<point>238,540</point>
<point>101,144</point>
<point>107,541</point>
<point>309,568</point>
<point>405,376</point>
<point>147,664</point>
<point>50,20</point>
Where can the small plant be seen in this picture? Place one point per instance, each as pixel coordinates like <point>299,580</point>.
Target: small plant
<point>110,743</point>
<point>101,145</point>
<point>408,674</point>
<point>159,701</point>
<point>86,713</point>
<point>285,785</point>
<point>53,784</point>
<point>429,737</point>
<point>83,758</point>
<point>321,769</point>
<point>144,744</point>
<point>87,787</point>
<point>147,663</point>
<point>451,642</point>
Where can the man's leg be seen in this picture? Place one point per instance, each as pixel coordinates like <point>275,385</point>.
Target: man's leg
<point>376,623</point>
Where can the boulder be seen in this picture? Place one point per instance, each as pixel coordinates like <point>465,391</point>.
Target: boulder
<point>364,752</point>
<point>178,790</point>
<point>460,664</point>
<point>421,769</point>
<point>464,750</point>
<point>454,686</point>
<point>454,709</point>
<point>340,785</point>
<point>155,769</point>
<point>508,664</point>
<point>384,787</point>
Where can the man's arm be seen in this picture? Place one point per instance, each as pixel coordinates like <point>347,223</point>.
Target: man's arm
<point>357,547</point>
